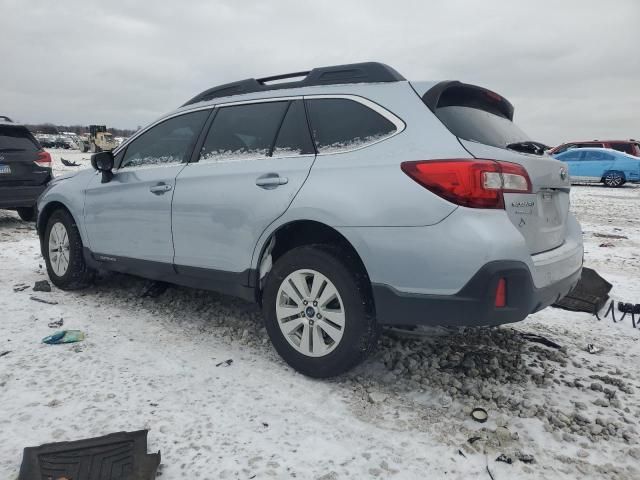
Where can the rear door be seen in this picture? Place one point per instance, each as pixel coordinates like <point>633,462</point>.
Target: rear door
<point>595,163</point>
<point>18,154</point>
<point>252,163</point>
<point>482,120</point>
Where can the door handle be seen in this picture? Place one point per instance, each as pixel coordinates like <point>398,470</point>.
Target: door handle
<point>160,188</point>
<point>271,180</point>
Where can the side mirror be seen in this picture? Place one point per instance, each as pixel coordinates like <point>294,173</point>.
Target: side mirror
<point>103,162</point>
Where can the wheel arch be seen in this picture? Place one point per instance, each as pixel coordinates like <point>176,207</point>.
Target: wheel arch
<point>45,214</point>
<point>297,233</point>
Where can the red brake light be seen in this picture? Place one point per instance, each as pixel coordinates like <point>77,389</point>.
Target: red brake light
<point>470,183</point>
<point>44,160</point>
<point>501,294</point>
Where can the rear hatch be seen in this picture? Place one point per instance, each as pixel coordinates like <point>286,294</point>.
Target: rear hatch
<point>18,153</point>
<point>483,122</point>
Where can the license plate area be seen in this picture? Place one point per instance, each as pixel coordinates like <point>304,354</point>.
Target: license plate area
<point>549,209</point>
<point>5,169</point>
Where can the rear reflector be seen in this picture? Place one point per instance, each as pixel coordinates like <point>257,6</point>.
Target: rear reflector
<point>501,294</point>
<point>44,160</point>
<point>470,183</point>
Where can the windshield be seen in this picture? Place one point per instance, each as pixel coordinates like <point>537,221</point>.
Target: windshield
<point>17,138</point>
<point>480,126</point>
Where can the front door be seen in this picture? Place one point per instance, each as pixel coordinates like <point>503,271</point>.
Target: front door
<point>252,163</point>
<point>130,216</point>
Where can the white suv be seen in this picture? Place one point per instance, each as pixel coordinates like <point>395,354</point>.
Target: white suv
<point>342,201</point>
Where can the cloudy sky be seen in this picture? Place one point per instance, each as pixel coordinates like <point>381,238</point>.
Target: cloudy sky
<point>571,68</point>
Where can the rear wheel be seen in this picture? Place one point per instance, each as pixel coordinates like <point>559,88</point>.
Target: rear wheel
<point>28,214</point>
<point>318,312</point>
<point>63,253</point>
<point>614,179</point>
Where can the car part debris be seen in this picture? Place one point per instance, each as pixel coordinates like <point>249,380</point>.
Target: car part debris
<point>48,302</point>
<point>610,235</point>
<point>118,456</point>
<point>534,337</point>
<point>591,348</point>
<point>64,336</point>
<point>69,163</point>
<point>589,295</point>
<point>479,414</point>
<point>504,458</point>
<point>41,286</point>
<point>56,323</point>
<point>6,352</point>
<point>473,440</point>
<point>461,453</point>
<point>525,457</point>
<point>607,245</point>
<point>154,289</point>
<point>625,308</point>
<point>20,287</point>
<point>226,363</point>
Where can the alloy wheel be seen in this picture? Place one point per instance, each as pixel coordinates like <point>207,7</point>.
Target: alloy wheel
<point>310,313</point>
<point>59,249</point>
<point>613,179</point>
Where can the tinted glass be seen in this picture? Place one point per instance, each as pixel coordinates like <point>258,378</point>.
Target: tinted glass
<point>294,137</point>
<point>570,155</point>
<point>168,142</point>
<point>595,156</point>
<point>243,132</point>
<point>339,124</point>
<point>590,145</point>
<point>16,139</point>
<point>480,126</point>
<point>623,147</point>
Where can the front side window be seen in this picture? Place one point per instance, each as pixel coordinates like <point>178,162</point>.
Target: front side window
<point>243,132</point>
<point>166,143</point>
<point>340,124</point>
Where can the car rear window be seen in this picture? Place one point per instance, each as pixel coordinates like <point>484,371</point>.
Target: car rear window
<point>476,114</point>
<point>17,138</point>
<point>340,125</point>
<point>623,147</point>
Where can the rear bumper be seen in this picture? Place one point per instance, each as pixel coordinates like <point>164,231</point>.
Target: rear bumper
<point>13,197</point>
<point>474,304</point>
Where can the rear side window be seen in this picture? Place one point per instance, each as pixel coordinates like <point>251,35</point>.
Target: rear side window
<point>571,155</point>
<point>168,142</point>
<point>243,132</point>
<point>623,147</point>
<point>293,137</point>
<point>14,138</point>
<point>340,124</point>
<point>479,115</point>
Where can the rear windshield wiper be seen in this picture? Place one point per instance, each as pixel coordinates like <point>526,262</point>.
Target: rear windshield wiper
<point>527,147</point>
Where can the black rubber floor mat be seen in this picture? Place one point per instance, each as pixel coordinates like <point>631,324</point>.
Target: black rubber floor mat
<point>118,456</point>
<point>589,295</point>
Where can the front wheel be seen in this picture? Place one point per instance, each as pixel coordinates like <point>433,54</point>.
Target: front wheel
<point>318,312</point>
<point>614,179</point>
<point>63,253</point>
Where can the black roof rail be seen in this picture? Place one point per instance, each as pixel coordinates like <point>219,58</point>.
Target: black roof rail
<point>5,118</point>
<point>367,72</point>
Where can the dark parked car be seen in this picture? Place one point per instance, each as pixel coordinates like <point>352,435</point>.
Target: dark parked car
<point>25,169</point>
<point>632,147</point>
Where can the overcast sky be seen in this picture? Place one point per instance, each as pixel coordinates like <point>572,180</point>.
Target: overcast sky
<point>571,68</point>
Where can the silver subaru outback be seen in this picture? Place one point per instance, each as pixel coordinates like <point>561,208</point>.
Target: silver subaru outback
<point>341,199</point>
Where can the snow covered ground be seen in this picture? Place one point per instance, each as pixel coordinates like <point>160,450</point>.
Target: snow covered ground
<point>160,364</point>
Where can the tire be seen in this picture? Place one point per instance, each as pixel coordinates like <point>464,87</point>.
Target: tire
<point>614,179</point>
<point>322,355</point>
<point>66,239</point>
<point>28,214</point>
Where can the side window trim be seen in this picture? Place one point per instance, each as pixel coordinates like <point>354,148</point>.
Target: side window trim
<point>275,137</point>
<point>390,116</point>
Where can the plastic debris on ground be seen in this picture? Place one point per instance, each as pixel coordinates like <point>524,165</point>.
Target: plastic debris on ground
<point>64,336</point>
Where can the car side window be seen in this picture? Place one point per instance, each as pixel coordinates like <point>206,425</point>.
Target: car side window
<point>243,132</point>
<point>166,143</point>
<point>571,155</point>
<point>340,124</point>
<point>623,147</point>
<point>294,137</point>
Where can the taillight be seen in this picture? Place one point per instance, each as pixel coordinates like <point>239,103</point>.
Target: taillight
<point>470,183</point>
<point>44,160</point>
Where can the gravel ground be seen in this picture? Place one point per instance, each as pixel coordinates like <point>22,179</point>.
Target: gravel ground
<point>159,363</point>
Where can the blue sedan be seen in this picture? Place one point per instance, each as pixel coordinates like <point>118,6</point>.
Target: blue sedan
<point>601,165</point>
